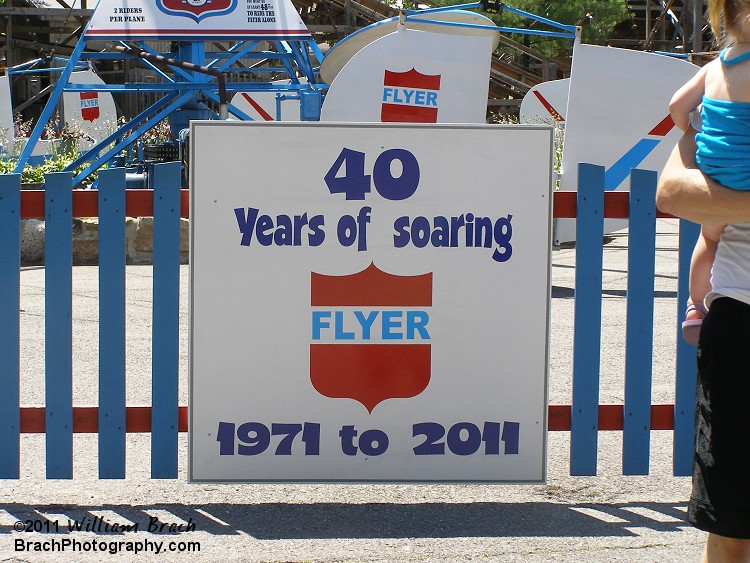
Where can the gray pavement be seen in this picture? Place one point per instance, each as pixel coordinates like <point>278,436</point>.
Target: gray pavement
<point>604,518</point>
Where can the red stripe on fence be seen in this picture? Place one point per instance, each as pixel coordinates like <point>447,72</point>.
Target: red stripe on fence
<point>138,419</point>
<point>140,203</point>
<point>611,417</point>
<point>86,420</point>
<point>616,205</point>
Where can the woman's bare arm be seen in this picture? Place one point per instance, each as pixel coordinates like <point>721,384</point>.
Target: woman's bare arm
<point>686,192</point>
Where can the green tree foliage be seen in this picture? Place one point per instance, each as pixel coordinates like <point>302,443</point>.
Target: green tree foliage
<point>596,17</point>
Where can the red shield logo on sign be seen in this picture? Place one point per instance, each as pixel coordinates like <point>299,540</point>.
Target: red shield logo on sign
<point>196,9</point>
<point>90,106</point>
<point>410,97</point>
<point>375,327</point>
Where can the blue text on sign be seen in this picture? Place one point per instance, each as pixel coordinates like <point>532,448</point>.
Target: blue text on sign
<point>285,230</point>
<point>465,230</point>
<point>412,97</point>
<point>368,325</point>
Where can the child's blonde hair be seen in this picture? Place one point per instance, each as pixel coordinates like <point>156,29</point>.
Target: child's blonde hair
<point>725,17</point>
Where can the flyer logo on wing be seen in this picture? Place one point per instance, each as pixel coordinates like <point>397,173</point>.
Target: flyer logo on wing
<point>370,335</point>
<point>90,106</point>
<point>410,97</point>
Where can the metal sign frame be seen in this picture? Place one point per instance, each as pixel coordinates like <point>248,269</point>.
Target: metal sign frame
<point>254,360</point>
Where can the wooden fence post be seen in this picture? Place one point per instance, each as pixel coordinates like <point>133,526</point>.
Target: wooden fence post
<point>686,370</point>
<point>58,323</point>
<point>165,340</point>
<point>639,323</point>
<point>10,304</point>
<point>588,320</point>
<point>112,323</point>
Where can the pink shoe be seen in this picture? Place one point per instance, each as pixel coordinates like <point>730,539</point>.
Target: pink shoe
<point>691,329</point>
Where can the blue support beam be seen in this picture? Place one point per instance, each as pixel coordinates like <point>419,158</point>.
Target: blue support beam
<point>50,107</point>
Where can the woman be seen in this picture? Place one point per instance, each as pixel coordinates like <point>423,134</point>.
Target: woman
<point>720,501</point>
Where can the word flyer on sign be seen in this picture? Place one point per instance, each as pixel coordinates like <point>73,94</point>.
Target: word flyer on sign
<point>369,303</point>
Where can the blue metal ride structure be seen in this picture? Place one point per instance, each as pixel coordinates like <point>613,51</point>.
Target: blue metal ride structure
<point>197,78</point>
<point>196,81</point>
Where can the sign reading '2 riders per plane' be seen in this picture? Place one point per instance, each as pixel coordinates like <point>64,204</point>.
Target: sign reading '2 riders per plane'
<point>189,20</point>
<point>369,303</point>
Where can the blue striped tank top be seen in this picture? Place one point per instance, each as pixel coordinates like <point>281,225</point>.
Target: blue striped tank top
<point>724,142</point>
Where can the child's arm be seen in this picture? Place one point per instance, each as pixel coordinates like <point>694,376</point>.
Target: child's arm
<point>712,234</point>
<point>687,99</point>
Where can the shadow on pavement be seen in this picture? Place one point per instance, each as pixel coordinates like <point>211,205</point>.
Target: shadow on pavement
<point>275,521</point>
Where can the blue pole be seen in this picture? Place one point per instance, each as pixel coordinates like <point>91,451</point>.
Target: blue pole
<point>10,305</point>
<point>639,339</point>
<point>58,323</point>
<point>686,374</point>
<point>112,324</point>
<point>587,333</point>
<point>165,338</point>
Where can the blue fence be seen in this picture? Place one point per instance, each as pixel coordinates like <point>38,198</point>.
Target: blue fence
<point>637,408</point>
<point>112,418</point>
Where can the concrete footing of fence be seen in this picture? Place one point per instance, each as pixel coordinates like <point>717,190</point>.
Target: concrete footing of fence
<point>139,237</point>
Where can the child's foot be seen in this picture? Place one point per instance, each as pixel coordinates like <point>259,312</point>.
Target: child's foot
<point>691,327</point>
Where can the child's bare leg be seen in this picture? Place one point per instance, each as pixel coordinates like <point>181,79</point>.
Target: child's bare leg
<point>700,280</point>
<point>700,270</point>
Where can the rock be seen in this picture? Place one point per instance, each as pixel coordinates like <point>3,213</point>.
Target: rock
<point>140,235</point>
<point>85,241</point>
<point>32,242</point>
<point>144,235</point>
<point>139,241</point>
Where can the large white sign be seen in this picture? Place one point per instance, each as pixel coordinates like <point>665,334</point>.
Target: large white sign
<point>196,19</point>
<point>369,302</point>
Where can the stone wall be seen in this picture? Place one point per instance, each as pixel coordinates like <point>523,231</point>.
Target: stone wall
<point>139,241</point>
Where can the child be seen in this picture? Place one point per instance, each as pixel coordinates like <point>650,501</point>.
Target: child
<point>722,90</point>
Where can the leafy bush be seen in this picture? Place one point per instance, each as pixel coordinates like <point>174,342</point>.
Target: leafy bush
<point>64,150</point>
